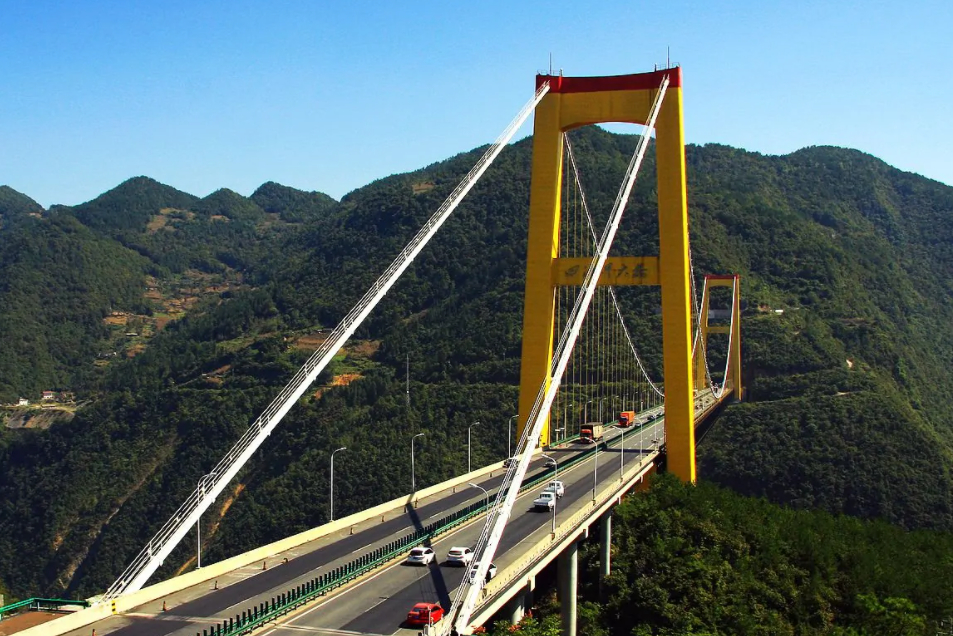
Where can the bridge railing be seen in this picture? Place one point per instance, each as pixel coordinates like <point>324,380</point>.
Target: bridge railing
<point>40,604</point>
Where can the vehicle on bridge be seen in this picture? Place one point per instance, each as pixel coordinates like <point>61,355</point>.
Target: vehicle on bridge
<point>421,556</point>
<point>545,501</point>
<point>424,614</point>
<point>592,432</point>
<point>557,487</point>
<point>627,419</point>
<point>459,556</point>
<point>490,573</point>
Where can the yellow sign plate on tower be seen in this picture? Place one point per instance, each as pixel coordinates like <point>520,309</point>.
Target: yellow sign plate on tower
<point>619,271</point>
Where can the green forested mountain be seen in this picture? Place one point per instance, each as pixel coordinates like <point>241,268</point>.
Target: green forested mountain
<point>293,206</point>
<point>704,561</point>
<point>82,285</point>
<point>58,279</point>
<point>848,386</point>
<point>15,206</point>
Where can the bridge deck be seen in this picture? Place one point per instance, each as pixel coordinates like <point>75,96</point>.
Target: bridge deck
<point>378,603</point>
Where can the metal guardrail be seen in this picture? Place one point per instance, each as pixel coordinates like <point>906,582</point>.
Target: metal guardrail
<point>40,604</point>
<point>255,617</point>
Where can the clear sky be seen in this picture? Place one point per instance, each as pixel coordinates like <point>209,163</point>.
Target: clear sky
<point>330,96</point>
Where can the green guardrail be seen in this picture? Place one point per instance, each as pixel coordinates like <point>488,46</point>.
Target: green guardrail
<point>281,604</point>
<point>37,604</point>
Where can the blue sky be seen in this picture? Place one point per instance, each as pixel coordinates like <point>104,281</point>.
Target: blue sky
<point>330,96</point>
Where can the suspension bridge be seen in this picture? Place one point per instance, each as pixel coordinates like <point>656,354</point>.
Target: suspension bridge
<point>590,416</point>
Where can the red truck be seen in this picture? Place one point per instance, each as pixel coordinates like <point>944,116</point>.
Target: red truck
<point>626,419</point>
<point>592,432</point>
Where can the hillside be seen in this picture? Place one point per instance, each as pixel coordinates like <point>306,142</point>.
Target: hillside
<point>707,561</point>
<point>87,286</point>
<point>15,206</point>
<point>848,387</point>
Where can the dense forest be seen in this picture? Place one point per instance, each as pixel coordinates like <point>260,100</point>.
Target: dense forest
<point>177,319</point>
<point>704,561</point>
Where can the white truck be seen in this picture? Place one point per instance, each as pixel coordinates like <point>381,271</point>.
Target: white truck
<point>545,501</point>
<point>557,487</point>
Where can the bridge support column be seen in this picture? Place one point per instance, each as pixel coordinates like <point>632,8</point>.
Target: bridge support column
<point>516,608</point>
<point>521,603</point>
<point>567,578</point>
<point>605,560</point>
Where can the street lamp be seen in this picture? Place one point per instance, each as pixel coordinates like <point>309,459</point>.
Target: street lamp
<point>555,495</point>
<point>486,495</point>
<point>595,471</point>
<point>585,412</point>
<point>468,444</point>
<point>509,437</point>
<point>601,419</point>
<point>555,463</point>
<point>622,455</point>
<point>565,422</point>
<point>332,480</point>
<point>413,477</point>
<point>198,524</point>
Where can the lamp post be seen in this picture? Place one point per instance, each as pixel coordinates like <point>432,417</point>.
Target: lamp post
<point>595,472</point>
<point>486,495</point>
<point>555,496</point>
<point>585,412</point>
<point>601,419</point>
<point>468,444</point>
<point>553,460</point>
<point>198,524</point>
<point>509,437</point>
<point>332,480</point>
<point>413,477</point>
<point>622,455</point>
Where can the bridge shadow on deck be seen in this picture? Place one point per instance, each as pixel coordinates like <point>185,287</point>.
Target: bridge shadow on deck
<point>439,583</point>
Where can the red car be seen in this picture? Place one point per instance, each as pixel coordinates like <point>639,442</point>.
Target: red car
<point>424,614</point>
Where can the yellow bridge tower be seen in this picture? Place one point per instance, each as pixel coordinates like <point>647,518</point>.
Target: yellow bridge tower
<point>578,101</point>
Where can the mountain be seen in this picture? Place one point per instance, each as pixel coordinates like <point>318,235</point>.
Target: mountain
<point>848,385</point>
<point>291,205</point>
<point>15,205</point>
<point>83,286</point>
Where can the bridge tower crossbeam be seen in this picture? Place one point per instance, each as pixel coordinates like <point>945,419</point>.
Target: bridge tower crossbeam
<point>732,330</point>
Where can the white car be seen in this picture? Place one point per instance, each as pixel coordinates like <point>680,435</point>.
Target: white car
<point>490,573</point>
<point>421,556</point>
<point>459,556</point>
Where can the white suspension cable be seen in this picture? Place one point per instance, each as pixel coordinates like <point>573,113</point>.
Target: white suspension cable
<point>592,231</point>
<point>162,544</point>
<point>731,334</point>
<point>466,597</point>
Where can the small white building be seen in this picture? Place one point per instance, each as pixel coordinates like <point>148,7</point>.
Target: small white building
<point>23,402</point>
<point>49,395</point>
